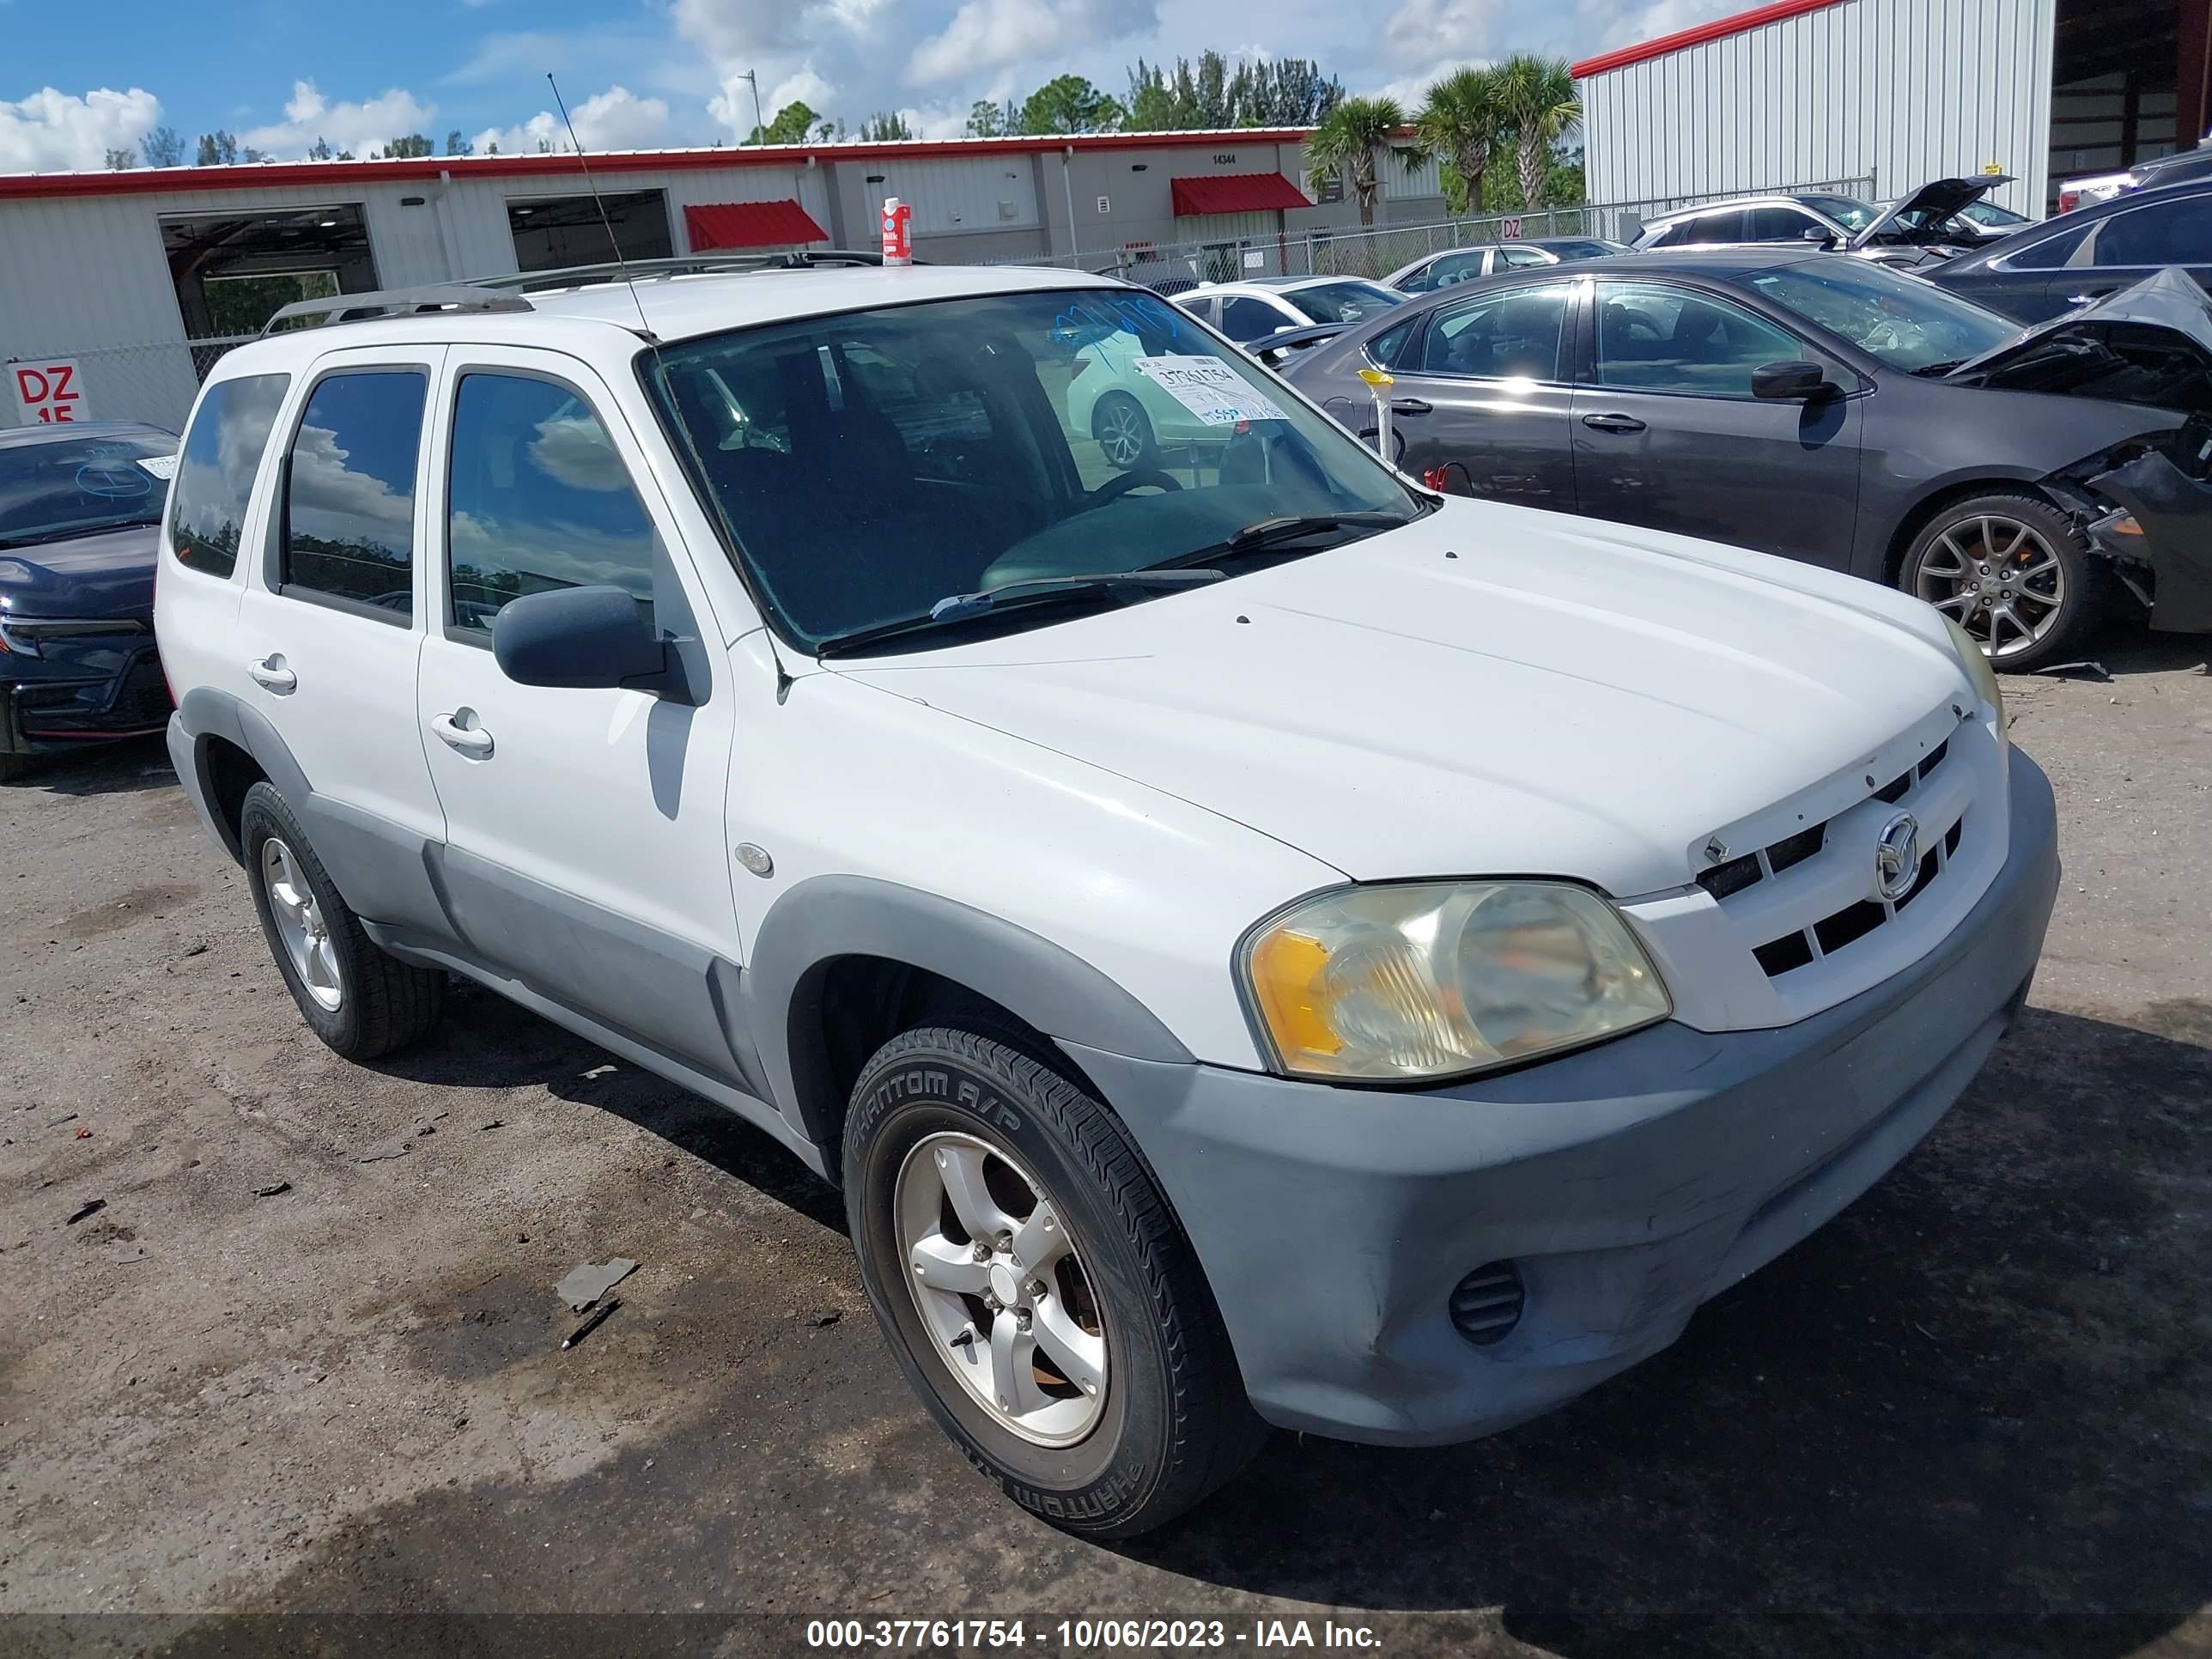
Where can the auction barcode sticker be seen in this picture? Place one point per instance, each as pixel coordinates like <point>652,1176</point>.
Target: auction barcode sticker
<point>1210,389</point>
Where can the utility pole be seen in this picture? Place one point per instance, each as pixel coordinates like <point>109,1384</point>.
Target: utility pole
<point>752,78</point>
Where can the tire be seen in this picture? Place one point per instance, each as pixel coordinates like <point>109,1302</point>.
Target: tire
<point>361,1002</point>
<point>2010,564</point>
<point>1169,1422</point>
<point>14,766</point>
<point>1124,431</point>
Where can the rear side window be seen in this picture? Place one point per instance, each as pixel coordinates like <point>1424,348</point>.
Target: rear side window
<point>539,500</point>
<point>216,470</point>
<point>1510,336</point>
<point>349,489</point>
<point>2051,253</point>
<point>2173,231</point>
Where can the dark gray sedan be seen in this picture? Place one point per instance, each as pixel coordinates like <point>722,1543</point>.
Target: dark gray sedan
<point>1818,407</point>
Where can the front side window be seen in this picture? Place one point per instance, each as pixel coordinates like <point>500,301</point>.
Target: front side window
<point>216,467</point>
<point>868,466</point>
<point>54,489</point>
<point>1344,302</point>
<point>1778,224</point>
<point>539,500</point>
<point>349,489</point>
<point>1510,336</point>
<point>1906,323</point>
<point>1848,211</point>
<point>1651,338</point>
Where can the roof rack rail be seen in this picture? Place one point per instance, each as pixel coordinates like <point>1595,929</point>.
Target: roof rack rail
<point>689,265</point>
<point>434,296</point>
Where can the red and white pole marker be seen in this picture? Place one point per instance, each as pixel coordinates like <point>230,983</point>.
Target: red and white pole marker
<point>899,232</point>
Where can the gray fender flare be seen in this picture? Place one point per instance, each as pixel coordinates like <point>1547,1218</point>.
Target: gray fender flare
<point>826,918</point>
<point>207,713</point>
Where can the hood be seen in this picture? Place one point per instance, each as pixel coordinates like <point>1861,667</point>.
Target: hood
<point>2150,343</point>
<point>1490,690</point>
<point>1927,207</point>
<point>107,574</point>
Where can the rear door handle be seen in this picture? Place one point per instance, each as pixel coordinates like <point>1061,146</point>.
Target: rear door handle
<point>1613,422</point>
<point>271,674</point>
<point>1410,406</point>
<point>471,740</point>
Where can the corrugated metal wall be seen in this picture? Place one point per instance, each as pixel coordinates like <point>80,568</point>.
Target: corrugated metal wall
<point>1900,90</point>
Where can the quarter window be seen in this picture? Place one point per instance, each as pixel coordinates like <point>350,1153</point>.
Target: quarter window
<point>216,470</point>
<point>1510,336</point>
<point>539,500</point>
<point>349,489</point>
<point>1651,338</point>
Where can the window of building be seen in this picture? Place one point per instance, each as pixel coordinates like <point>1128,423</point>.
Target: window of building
<point>216,467</point>
<point>349,489</point>
<point>539,500</point>
<point>1651,338</point>
<point>553,232</point>
<point>233,270</point>
<point>1510,336</point>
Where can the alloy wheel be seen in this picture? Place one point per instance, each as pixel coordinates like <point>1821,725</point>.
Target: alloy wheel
<point>1001,1288</point>
<point>301,924</point>
<point>1998,578</point>
<point>1122,433</point>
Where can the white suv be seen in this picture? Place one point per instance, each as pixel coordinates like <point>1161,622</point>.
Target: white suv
<point>1256,944</point>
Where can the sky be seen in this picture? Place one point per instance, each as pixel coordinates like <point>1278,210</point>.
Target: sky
<point>646,72</point>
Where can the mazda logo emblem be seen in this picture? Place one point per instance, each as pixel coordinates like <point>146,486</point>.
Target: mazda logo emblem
<point>1897,857</point>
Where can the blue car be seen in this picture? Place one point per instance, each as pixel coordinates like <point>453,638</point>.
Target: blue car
<point>80,517</point>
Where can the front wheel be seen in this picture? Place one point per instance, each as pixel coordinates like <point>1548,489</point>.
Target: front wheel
<point>1124,431</point>
<point>1035,1290</point>
<point>2013,571</point>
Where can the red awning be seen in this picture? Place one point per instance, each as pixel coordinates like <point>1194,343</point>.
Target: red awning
<point>1236,192</point>
<point>750,224</point>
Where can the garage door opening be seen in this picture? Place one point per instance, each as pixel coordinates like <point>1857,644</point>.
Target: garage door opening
<point>233,270</point>
<point>554,232</point>
<point>2127,83</point>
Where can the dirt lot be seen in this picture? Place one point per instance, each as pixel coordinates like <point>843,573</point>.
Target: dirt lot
<point>1970,1417</point>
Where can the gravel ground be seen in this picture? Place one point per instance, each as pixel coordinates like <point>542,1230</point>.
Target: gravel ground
<point>304,1360</point>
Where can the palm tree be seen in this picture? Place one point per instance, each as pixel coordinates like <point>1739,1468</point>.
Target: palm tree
<point>1348,137</point>
<point>1538,99</point>
<point>1463,121</point>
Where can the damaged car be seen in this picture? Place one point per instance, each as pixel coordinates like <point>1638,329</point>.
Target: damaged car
<point>1829,409</point>
<point>1924,228</point>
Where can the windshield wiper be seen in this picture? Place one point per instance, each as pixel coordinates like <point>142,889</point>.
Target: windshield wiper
<point>1930,371</point>
<point>956,608</point>
<point>1264,533</point>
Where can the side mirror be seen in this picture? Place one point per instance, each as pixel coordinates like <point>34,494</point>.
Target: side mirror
<point>1821,238</point>
<point>586,637</point>
<point>1787,382</point>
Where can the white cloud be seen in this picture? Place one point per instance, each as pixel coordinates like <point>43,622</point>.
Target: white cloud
<point>54,131</point>
<point>1422,32</point>
<point>993,34</point>
<point>357,127</point>
<point>614,119</point>
<point>1609,23</point>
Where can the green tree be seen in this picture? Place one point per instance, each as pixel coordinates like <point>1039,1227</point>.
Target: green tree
<point>1068,103</point>
<point>789,125</point>
<point>1344,144</point>
<point>216,149</point>
<point>163,148</point>
<point>988,121</point>
<point>457,145</point>
<point>413,144</point>
<point>320,151</point>
<point>881,129</point>
<point>1283,92</point>
<point>121,160</point>
<point>1462,122</point>
<point>1538,95</point>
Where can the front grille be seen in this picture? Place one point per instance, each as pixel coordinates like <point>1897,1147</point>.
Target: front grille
<point>1486,1304</point>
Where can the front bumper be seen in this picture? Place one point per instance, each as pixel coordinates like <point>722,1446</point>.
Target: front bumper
<point>86,688</point>
<point>2174,516</point>
<point>1628,1184</point>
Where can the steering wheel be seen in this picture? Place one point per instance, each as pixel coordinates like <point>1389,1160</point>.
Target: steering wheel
<point>1114,488</point>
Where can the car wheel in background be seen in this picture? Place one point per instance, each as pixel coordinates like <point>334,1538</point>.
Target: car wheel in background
<point>1124,431</point>
<point>1035,1288</point>
<point>2012,570</point>
<point>361,1002</point>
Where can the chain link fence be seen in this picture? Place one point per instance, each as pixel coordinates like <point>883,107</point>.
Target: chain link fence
<point>154,382</point>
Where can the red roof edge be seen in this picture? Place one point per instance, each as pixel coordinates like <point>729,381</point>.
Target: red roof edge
<point>1719,29</point>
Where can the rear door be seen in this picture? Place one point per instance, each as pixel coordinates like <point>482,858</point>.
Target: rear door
<point>585,853</point>
<point>2163,228</point>
<point>1667,434</point>
<point>1482,396</point>
<point>330,625</point>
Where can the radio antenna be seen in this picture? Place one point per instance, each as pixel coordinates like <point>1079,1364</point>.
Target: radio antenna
<point>621,263</point>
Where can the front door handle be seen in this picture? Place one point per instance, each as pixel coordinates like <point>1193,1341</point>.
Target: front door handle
<point>1613,422</point>
<point>271,675</point>
<point>2081,299</point>
<point>1410,406</point>
<point>471,740</point>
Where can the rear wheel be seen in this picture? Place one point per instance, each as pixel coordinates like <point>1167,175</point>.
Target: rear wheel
<point>1037,1293</point>
<point>2013,571</point>
<point>361,1001</point>
<point>1124,431</point>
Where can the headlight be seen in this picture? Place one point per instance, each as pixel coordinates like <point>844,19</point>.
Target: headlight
<point>1440,979</point>
<point>1976,662</point>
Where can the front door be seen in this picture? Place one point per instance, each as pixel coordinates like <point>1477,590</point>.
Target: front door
<point>1481,398</point>
<point>1670,437</point>
<point>585,849</point>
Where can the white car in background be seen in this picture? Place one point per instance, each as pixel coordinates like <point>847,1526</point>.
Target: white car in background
<point>1251,311</point>
<point>1129,416</point>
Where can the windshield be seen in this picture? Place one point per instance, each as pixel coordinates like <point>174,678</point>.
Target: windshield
<point>870,465</point>
<point>1344,302</point>
<point>78,486</point>
<point>1905,322</point>
<point>1848,211</point>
